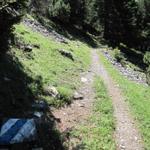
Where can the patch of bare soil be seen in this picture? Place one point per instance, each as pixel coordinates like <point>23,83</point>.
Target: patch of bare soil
<point>78,112</point>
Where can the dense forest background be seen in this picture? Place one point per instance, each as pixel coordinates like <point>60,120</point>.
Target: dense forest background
<point>122,23</point>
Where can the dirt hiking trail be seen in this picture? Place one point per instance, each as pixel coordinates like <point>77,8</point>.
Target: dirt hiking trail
<point>126,134</point>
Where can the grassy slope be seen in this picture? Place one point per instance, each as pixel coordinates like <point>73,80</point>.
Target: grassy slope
<point>97,132</point>
<point>49,65</point>
<point>138,97</point>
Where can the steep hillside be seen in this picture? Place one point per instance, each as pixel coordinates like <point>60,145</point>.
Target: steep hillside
<point>123,24</point>
<point>40,63</point>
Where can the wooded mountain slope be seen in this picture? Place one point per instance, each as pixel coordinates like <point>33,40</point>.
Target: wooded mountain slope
<point>123,23</point>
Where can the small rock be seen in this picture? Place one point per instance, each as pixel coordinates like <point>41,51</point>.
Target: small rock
<point>64,41</point>
<point>122,147</point>
<point>66,54</point>
<point>58,120</point>
<point>106,52</point>
<point>51,91</point>
<point>38,114</point>
<point>81,105</point>
<point>37,46</point>
<point>136,138</point>
<point>83,80</point>
<point>28,48</point>
<point>78,96</point>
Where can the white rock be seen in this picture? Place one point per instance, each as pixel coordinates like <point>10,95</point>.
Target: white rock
<point>78,96</point>
<point>81,105</point>
<point>83,80</point>
<point>51,91</point>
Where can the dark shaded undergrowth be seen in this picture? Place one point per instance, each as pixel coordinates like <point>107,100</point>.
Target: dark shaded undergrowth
<point>70,31</point>
<point>21,82</point>
<point>16,99</point>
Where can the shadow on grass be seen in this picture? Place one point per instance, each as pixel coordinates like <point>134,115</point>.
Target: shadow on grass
<point>136,61</point>
<point>16,99</point>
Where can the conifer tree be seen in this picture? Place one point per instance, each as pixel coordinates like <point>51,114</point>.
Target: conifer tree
<point>60,9</point>
<point>10,13</point>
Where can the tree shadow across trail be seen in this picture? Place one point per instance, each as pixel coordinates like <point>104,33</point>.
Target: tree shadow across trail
<point>16,99</point>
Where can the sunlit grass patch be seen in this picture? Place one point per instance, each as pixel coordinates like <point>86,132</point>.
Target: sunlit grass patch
<point>46,62</point>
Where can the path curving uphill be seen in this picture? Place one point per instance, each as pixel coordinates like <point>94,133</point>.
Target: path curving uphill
<point>126,135</point>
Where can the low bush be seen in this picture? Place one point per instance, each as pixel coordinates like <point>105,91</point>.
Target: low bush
<point>119,56</point>
<point>60,10</point>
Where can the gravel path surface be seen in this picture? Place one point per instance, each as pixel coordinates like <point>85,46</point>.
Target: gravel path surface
<point>126,134</point>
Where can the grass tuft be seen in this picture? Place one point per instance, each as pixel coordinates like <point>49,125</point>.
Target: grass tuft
<point>65,94</point>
